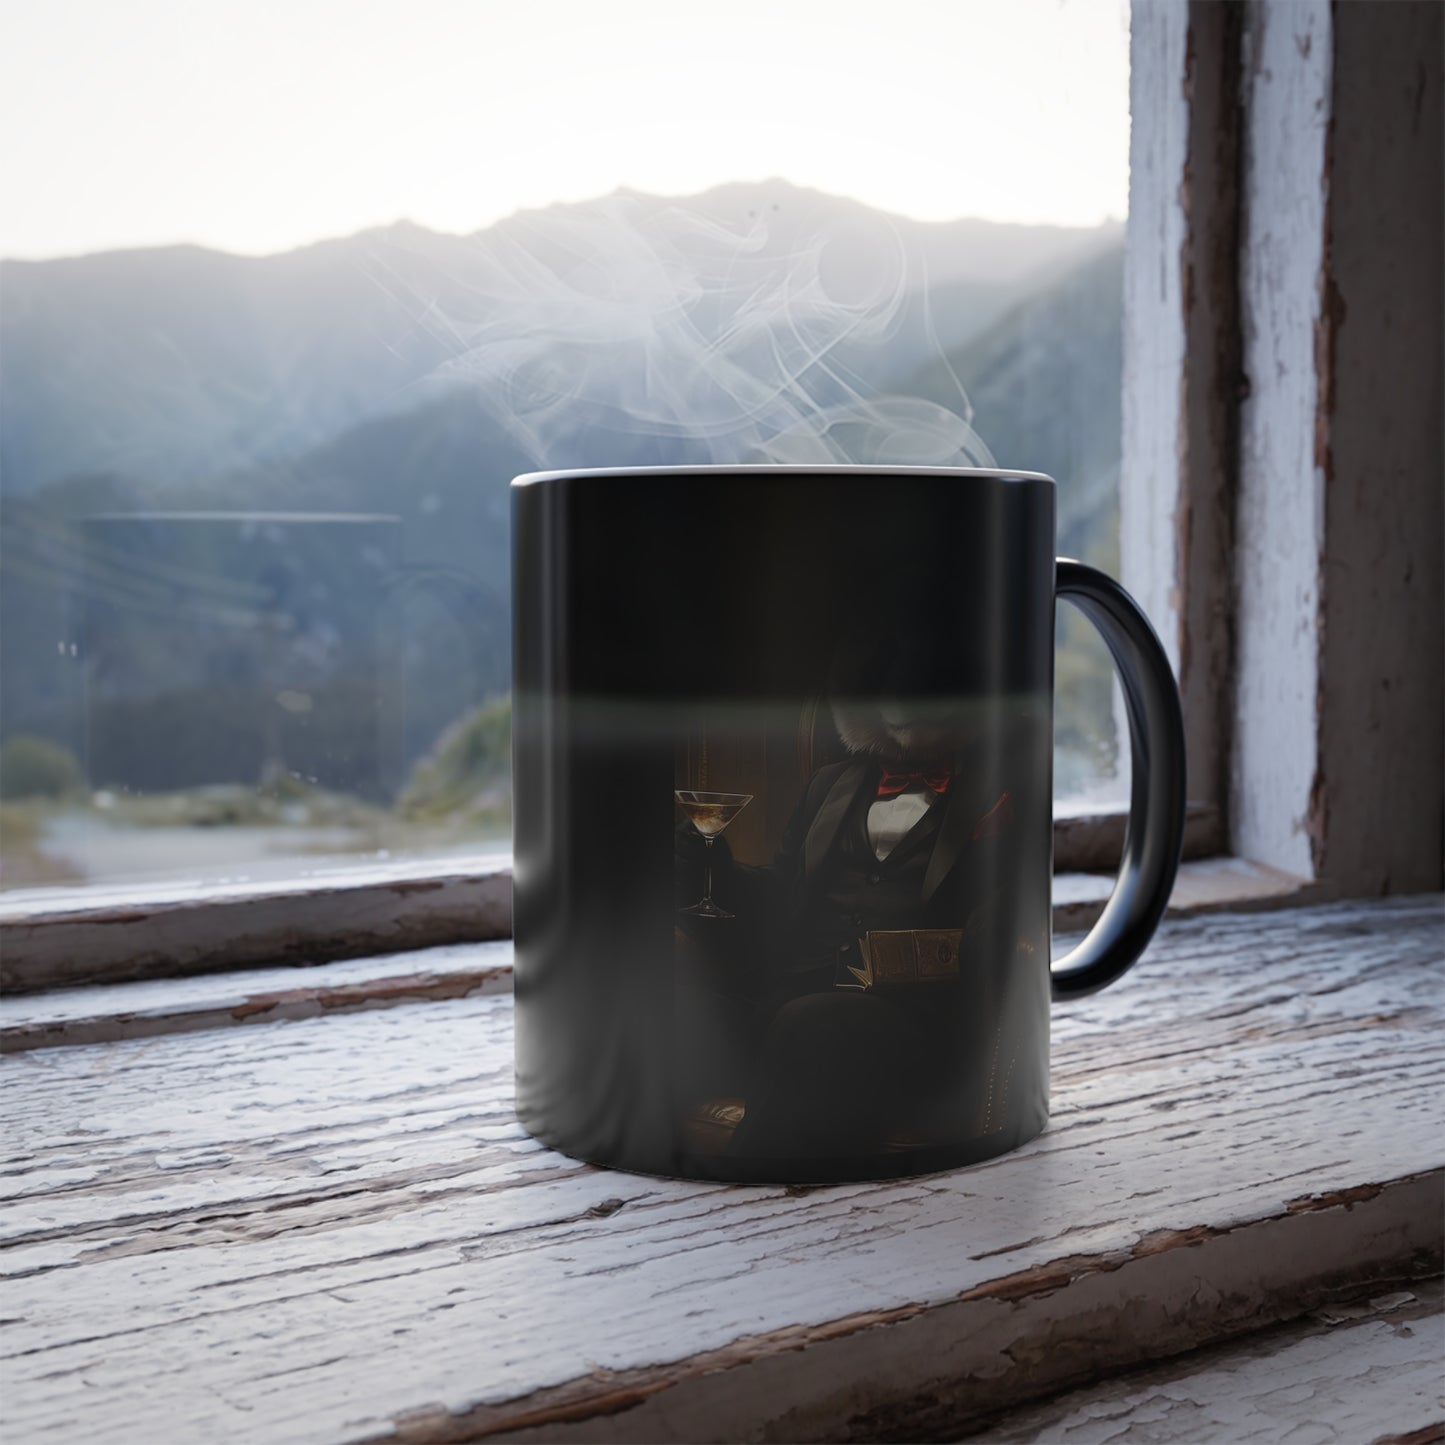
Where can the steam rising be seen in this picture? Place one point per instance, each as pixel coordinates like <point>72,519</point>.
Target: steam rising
<point>630,333</point>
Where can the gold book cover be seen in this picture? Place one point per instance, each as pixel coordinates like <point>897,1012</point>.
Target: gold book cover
<point>902,957</point>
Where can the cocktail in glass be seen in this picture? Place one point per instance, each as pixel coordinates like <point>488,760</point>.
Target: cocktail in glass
<point>709,813</point>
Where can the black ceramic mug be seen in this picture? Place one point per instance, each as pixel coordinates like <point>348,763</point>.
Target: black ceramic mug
<point>782,771</point>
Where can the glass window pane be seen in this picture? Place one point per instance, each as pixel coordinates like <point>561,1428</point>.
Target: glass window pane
<point>256,434</point>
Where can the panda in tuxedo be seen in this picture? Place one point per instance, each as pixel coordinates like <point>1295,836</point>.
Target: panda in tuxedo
<point>915,827</point>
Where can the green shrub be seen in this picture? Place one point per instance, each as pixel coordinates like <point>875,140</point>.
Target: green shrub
<point>32,767</point>
<point>466,768</point>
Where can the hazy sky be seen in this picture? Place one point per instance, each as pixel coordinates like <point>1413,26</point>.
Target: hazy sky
<point>256,125</point>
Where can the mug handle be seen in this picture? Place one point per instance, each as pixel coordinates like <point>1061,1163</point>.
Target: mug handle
<point>1155,831</point>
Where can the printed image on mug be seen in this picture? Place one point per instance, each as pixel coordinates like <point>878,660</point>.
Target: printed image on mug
<point>784,833</point>
<point>858,967</point>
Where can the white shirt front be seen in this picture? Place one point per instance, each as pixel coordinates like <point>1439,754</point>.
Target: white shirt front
<point>890,820</point>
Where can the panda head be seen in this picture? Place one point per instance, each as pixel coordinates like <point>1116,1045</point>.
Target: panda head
<point>903,685</point>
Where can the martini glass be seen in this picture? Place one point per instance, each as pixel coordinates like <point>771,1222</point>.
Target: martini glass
<point>710,813</point>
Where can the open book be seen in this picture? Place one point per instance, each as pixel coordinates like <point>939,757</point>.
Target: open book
<point>896,958</point>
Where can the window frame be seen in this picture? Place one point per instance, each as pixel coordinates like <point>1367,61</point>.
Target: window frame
<point>176,929</point>
<point>1199,211</point>
<point>89,935</point>
<point>1283,438</point>
<point>1183,365</point>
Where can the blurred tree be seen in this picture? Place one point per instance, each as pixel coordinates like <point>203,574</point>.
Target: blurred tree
<point>468,770</point>
<point>32,767</point>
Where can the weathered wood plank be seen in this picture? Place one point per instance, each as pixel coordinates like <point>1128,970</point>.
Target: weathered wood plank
<point>65,937</point>
<point>1093,841</point>
<point>1367,1372</point>
<point>101,1013</point>
<point>333,1229</point>
<point>1202,886</point>
<point>57,938</point>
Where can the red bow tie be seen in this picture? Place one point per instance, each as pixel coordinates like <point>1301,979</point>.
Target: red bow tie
<point>890,784</point>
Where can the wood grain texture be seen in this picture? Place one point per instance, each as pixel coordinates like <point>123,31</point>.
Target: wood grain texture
<point>1280,517</point>
<point>95,935</point>
<point>1181,368</point>
<point>57,938</point>
<point>1094,841</point>
<point>101,1013</point>
<point>332,1229</point>
<point>1367,1371</point>
<point>1381,356</point>
<point>1210,380</point>
<point>1155,235</point>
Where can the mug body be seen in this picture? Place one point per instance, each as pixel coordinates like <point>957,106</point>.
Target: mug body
<point>782,771</point>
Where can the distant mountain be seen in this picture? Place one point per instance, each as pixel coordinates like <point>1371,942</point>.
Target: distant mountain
<point>406,377</point>
<point>177,364</point>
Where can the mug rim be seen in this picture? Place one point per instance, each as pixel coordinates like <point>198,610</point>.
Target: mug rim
<point>826,469</point>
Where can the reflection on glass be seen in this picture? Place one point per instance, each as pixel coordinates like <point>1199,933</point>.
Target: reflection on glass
<point>245,695</point>
<point>177,705</point>
<point>709,813</point>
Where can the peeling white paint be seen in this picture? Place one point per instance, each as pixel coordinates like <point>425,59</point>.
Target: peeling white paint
<point>1280,510</point>
<point>333,1230</point>
<point>1154,316</point>
<point>1309,1385</point>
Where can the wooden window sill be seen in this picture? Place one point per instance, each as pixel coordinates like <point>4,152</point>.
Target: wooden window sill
<point>334,1230</point>
<point>98,1013</point>
<point>67,937</point>
<point>63,938</point>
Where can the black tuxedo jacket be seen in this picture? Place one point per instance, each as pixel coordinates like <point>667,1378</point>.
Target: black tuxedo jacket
<point>824,888</point>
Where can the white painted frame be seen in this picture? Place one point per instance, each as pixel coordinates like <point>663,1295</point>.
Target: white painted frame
<point>1283,443</point>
